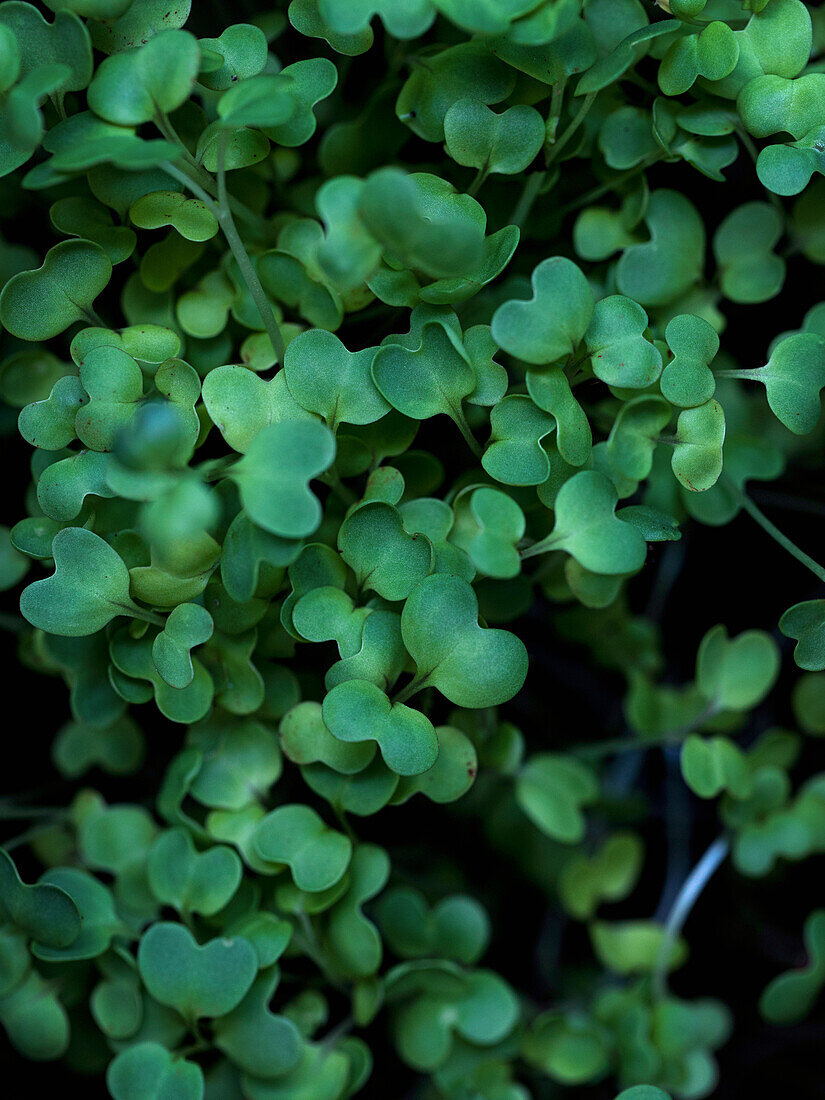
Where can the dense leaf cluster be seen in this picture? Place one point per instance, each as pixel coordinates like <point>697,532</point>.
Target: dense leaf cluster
<point>357,332</point>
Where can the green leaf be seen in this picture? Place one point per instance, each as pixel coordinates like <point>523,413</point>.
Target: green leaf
<point>384,556</point>
<point>473,666</point>
<point>192,881</point>
<point>36,305</point>
<point>295,835</point>
<point>242,49</point>
<point>241,404</point>
<point>325,378</point>
<point>516,453</point>
<point>666,266</point>
<point>748,268</point>
<point>357,711</point>
<point>258,1041</point>
<point>635,433</point>
<point>274,475</point>
<point>147,1071</point>
<point>44,912</point>
<point>633,946</point>
<point>187,626</point>
<point>713,765</point>
<point>89,587</point>
<point>712,54</point>
<point>793,377</point>
<point>805,623</point>
<point>477,137</point>
<point>619,353</point>
<point>791,996</point>
<point>191,217</point>
<point>737,673</point>
<point>588,528</point>
<point>553,322</point>
<point>196,980</point>
<point>305,739</point>
<point>608,875</point>
<point>687,380</point>
<point>133,86</point>
<point>552,790</point>
<point>697,455</point>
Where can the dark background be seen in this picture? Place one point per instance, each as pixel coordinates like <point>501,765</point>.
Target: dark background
<point>742,932</point>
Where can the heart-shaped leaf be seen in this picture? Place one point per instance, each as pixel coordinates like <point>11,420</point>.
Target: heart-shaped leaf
<point>736,673</point>
<point>471,665</point>
<point>188,625</point>
<point>805,623</point>
<point>274,474</point>
<point>687,380</point>
<point>552,789</point>
<point>196,980</point>
<point>619,353</point>
<point>43,912</point>
<point>748,268</point>
<point>480,138</point>
<point>295,835</point>
<point>192,881</point>
<point>697,456</point>
<point>553,322</point>
<point>89,587</point>
<point>36,305</point>
<point>133,86</point>
<point>326,379</point>
<point>147,1071</point>
<point>588,528</point>
<point>384,557</point>
<point>357,711</point>
<point>790,996</point>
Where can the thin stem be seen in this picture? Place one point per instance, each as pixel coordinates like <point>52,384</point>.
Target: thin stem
<point>29,834</point>
<point>22,813</point>
<point>480,176</point>
<point>342,491</point>
<point>543,546</point>
<point>146,615</point>
<point>687,897</point>
<point>464,428</point>
<point>205,180</point>
<point>572,127</point>
<point>528,196</point>
<point>556,101</point>
<point>753,153</point>
<point>610,185</point>
<point>596,749</point>
<point>771,529</point>
<point>192,185</point>
<point>250,276</point>
<point>407,693</point>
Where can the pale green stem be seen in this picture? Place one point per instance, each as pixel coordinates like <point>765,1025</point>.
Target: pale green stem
<point>543,546</point>
<point>771,529</point>
<point>597,749</point>
<point>572,127</point>
<point>464,428</point>
<point>478,182</point>
<point>687,897</point>
<point>147,616</point>
<point>223,214</point>
<point>206,181</point>
<point>411,689</point>
<point>609,185</point>
<point>245,264</point>
<point>528,196</point>
<point>556,101</point>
